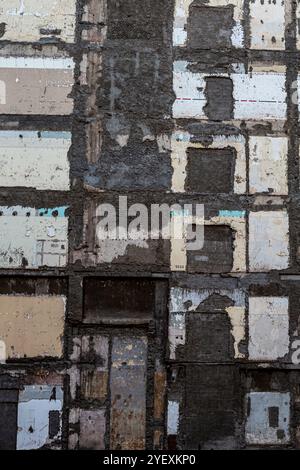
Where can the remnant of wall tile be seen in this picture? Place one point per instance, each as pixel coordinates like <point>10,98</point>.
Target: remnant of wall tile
<point>183,142</point>
<point>259,94</point>
<point>185,301</point>
<point>268,328</point>
<point>35,412</point>
<point>268,164</point>
<point>35,159</point>
<point>173,418</point>
<point>34,20</point>
<point>33,237</point>
<point>32,326</point>
<point>183,21</point>
<point>234,220</point>
<point>128,387</point>
<point>267,25</point>
<point>92,429</point>
<point>268,240</point>
<point>36,85</point>
<point>268,418</point>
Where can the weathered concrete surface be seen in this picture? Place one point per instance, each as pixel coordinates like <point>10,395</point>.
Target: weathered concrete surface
<point>128,389</point>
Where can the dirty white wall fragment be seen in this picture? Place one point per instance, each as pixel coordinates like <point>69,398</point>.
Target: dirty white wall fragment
<point>259,94</point>
<point>32,20</point>
<point>36,402</point>
<point>268,328</point>
<point>268,164</point>
<point>267,24</point>
<point>260,427</point>
<point>33,237</point>
<point>35,159</point>
<point>268,240</point>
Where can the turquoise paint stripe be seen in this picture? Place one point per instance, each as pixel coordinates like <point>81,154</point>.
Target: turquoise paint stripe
<point>48,212</point>
<point>44,134</point>
<point>232,214</point>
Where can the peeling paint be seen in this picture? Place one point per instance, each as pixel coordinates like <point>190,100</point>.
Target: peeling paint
<point>36,402</point>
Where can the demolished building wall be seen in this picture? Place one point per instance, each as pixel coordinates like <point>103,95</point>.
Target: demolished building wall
<point>142,343</point>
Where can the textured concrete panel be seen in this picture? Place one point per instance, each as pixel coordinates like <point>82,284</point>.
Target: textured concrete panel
<point>30,237</point>
<point>268,328</point>
<point>128,386</point>
<point>36,404</point>
<point>32,326</point>
<point>34,20</point>
<point>36,85</point>
<point>35,159</point>
<point>268,240</point>
<point>263,426</point>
